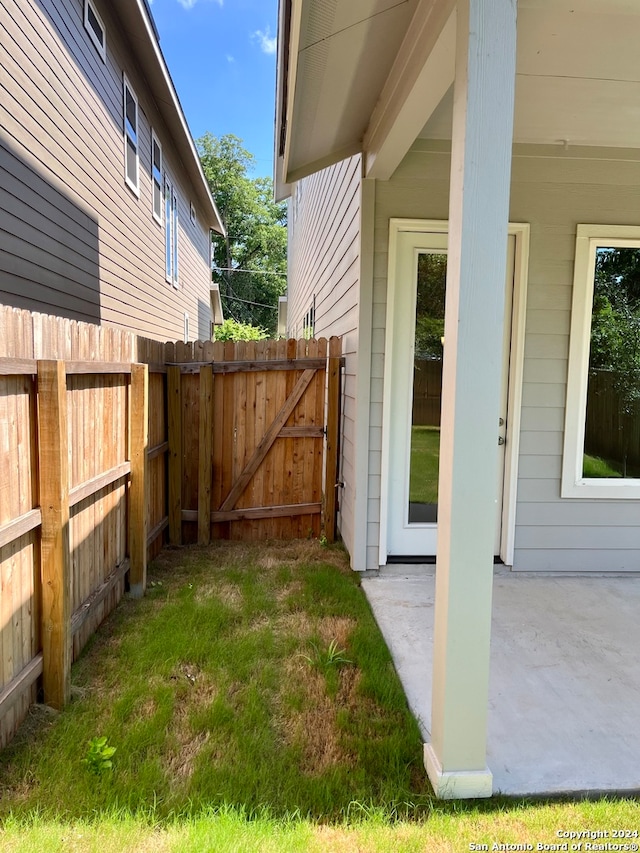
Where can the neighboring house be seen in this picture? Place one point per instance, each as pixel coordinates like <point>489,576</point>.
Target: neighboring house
<point>394,134</point>
<point>105,214</point>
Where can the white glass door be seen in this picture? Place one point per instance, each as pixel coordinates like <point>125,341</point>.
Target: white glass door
<point>415,313</point>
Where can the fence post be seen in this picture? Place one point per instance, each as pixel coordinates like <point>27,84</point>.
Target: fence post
<point>138,442</point>
<point>204,465</point>
<point>333,439</point>
<point>174,409</point>
<point>55,560</point>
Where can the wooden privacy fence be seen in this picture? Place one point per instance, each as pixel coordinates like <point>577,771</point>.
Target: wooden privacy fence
<point>247,425</point>
<point>610,431</point>
<point>105,450</point>
<point>427,391</point>
<point>75,513</point>
<point>75,487</point>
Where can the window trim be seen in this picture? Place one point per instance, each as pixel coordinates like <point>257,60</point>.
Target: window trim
<point>171,233</point>
<point>101,47</point>
<point>589,238</point>
<point>134,187</point>
<point>157,216</point>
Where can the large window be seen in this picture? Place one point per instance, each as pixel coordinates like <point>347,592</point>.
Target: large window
<point>602,425</point>
<point>171,232</point>
<point>130,118</point>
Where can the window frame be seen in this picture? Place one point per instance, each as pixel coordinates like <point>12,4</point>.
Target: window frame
<point>589,239</point>
<point>158,216</point>
<point>134,187</point>
<point>101,47</point>
<point>171,231</point>
<point>309,321</point>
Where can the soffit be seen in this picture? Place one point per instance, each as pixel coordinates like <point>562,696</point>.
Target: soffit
<point>578,76</point>
<point>344,54</point>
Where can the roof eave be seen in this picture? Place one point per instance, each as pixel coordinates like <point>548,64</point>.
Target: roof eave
<point>141,30</point>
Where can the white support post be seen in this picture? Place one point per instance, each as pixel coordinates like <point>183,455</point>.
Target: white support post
<point>478,219</point>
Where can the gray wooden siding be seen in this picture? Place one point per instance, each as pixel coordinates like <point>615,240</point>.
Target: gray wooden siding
<point>553,190</point>
<point>324,262</point>
<point>74,240</point>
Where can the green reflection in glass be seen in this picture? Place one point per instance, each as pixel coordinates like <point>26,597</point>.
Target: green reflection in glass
<point>612,425</point>
<point>427,388</point>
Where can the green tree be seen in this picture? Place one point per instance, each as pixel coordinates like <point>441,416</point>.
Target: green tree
<point>250,262</point>
<point>615,322</point>
<point>615,336</point>
<point>432,275</point>
<point>231,330</point>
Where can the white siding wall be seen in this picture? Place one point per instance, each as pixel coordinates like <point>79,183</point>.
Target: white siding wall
<point>553,190</point>
<point>73,238</point>
<point>324,262</point>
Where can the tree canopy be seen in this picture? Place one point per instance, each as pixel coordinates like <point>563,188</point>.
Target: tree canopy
<point>231,330</point>
<point>615,324</point>
<point>250,263</point>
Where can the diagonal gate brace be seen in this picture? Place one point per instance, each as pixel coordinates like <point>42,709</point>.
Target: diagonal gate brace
<point>268,439</point>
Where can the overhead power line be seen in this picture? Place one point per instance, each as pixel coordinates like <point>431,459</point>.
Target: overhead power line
<point>249,302</point>
<point>253,272</point>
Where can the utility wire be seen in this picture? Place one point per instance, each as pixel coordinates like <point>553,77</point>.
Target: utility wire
<point>253,272</point>
<point>249,302</point>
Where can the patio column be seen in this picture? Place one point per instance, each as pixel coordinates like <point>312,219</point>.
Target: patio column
<point>478,218</point>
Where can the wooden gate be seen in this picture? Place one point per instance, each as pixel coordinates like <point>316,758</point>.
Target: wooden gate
<point>253,434</point>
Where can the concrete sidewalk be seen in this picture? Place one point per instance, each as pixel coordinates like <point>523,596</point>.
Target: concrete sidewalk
<point>564,696</point>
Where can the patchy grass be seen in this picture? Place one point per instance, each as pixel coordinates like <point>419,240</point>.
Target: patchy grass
<point>253,707</point>
<point>247,677</point>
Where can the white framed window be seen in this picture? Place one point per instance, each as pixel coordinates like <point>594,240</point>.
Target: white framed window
<point>601,456</point>
<point>156,177</point>
<point>309,321</point>
<point>96,29</point>
<point>171,232</point>
<point>130,122</point>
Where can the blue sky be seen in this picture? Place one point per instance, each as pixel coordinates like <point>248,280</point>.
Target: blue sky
<point>221,55</point>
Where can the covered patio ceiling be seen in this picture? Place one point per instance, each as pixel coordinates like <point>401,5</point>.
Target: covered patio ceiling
<point>372,75</point>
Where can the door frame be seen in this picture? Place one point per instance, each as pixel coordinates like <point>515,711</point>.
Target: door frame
<point>520,231</point>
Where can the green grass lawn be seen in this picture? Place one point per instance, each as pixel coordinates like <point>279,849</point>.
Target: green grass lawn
<point>220,688</point>
<point>425,455</point>
<point>593,466</point>
<point>252,705</point>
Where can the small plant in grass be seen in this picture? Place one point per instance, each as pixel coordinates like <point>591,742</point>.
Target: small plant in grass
<point>99,755</point>
<point>324,541</point>
<point>332,656</point>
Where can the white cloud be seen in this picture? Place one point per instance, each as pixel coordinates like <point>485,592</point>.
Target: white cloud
<point>189,4</point>
<point>267,42</point>
<point>230,58</point>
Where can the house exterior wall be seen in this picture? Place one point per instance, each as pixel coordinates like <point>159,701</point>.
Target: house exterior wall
<point>324,269</point>
<point>553,190</point>
<point>74,239</point>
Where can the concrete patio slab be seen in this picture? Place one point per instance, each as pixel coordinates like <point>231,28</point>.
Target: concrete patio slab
<point>564,696</point>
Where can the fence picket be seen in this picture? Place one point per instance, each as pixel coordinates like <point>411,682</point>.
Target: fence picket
<point>83,547</point>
